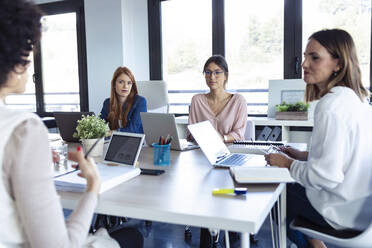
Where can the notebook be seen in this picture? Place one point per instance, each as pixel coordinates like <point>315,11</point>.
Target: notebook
<point>216,151</point>
<point>67,122</point>
<point>253,147</point>
<point>161,124</point>
<point>266,174</point>
<point>119,164</point>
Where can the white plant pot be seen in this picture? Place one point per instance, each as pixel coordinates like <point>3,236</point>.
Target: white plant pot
<point>97,150</point>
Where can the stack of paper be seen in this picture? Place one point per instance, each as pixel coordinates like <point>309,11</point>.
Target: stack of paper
<point>267,174</point>
<point>111,176</point>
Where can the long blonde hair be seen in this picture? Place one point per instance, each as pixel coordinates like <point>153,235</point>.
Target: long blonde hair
<point>340,45</point>
<point>116,112</point>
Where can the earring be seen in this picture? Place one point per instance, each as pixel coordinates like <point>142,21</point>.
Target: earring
<point>335,73</point>
<point>19,77</point>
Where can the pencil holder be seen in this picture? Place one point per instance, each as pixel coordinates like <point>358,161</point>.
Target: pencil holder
<point>161,154</point>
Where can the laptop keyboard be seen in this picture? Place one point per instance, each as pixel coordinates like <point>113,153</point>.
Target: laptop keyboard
<point>234,159</point>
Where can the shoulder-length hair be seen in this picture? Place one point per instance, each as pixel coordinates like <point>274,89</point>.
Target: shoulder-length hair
<point>340,45</point>
<point>116,109</point>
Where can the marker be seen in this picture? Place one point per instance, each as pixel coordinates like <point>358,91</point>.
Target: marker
<point>236,191</point>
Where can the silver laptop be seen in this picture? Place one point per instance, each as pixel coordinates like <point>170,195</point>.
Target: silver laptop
<point>123,149</point>
<point>161,124</point>
<point>216,151</point>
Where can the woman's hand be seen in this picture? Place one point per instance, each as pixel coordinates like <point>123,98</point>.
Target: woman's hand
<point>88,170</point>
<point>55,157</point>
<point>279,159</point>
<point>294,153</point>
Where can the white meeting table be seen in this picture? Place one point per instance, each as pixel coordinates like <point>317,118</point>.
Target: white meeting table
<point>183,195</point>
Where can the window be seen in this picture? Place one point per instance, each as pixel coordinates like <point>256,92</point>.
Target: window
<point>350,15</point>
<point>187,44</point>
<point>254,48</point>
<point>60,63</point>
<point>261,40</point>
<point>57,75</point>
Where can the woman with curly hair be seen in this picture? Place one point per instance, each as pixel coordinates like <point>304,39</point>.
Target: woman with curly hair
<point>31,212</point>
<point>122,109</point>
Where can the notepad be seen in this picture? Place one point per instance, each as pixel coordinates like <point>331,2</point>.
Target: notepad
<point>111,176</point>
<point>253,147</point>
<point>261,175</point>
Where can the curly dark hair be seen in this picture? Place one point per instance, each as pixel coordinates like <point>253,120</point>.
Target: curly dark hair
<point>20,30</point>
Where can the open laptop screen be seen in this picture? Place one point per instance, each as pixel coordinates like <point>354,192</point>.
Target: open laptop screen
<point>123,149</point>
<point>209,140</point>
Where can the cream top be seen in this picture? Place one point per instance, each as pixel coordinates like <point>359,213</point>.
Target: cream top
<point>28,178</point>
<point>232,120</point>
<point>338,173</point>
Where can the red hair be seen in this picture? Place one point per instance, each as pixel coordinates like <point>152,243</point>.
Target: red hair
<point>117,112</point>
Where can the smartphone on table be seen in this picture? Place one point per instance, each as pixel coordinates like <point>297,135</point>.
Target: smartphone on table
<point>152,172</point>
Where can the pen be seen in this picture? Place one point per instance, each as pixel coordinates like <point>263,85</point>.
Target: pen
<point>166,140</point>
<point>237,191</point>
<point>90,149</point>
<point>85,156</point>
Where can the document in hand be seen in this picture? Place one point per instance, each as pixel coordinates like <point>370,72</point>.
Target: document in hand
<point>249,174</point>
<point>111,176</point>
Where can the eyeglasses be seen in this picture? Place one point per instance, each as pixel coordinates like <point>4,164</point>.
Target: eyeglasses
<point>208,73</point>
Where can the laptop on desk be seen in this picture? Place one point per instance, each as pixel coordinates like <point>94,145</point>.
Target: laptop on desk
<point>217,152</point>
<point>67,122</point>
<point>123,149</point>
<point>161,124</point>
<point>118,166</point>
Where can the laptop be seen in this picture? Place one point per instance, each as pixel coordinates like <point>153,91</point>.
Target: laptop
<point>67,122</point>
<point>123,149</point>
<point>216,151</point>
<point>161,124</point>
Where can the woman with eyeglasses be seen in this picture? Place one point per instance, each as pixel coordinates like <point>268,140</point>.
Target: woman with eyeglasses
<point>227,112</point>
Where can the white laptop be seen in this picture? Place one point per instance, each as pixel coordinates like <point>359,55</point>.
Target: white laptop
<point>123,149</point>
<point>161,124</point>
<point>216,151</point>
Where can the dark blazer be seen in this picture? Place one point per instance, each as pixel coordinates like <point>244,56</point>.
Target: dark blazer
<point>134,124</point>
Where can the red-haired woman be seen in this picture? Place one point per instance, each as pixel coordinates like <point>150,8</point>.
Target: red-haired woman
<point>122,109</point>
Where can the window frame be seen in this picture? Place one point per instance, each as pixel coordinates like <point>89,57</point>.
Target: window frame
<point>68,6</point>
<point>292,46</point>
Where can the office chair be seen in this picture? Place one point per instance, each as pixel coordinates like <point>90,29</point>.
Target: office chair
<point>250,133</point>
<point>342,238</point>
<point>156,94</point>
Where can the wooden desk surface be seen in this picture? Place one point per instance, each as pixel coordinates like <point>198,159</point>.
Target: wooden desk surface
<point>183,195</point>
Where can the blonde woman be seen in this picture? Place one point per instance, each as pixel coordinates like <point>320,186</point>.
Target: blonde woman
<point>334,178</point>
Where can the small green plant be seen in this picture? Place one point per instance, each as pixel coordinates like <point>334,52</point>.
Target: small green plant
<point>288,107</point>
<point>91,127</point>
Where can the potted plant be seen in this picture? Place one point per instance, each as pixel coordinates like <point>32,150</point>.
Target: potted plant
<point>88,130</point>
<point>296,111</point>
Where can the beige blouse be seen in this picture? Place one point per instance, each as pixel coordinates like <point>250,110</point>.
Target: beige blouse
<point>232,120</point>
<point>28,177</point>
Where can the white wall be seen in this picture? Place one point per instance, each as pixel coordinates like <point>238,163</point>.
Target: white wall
<point>116,35</point>
<point>103,25</point>
<point>135,37</point>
